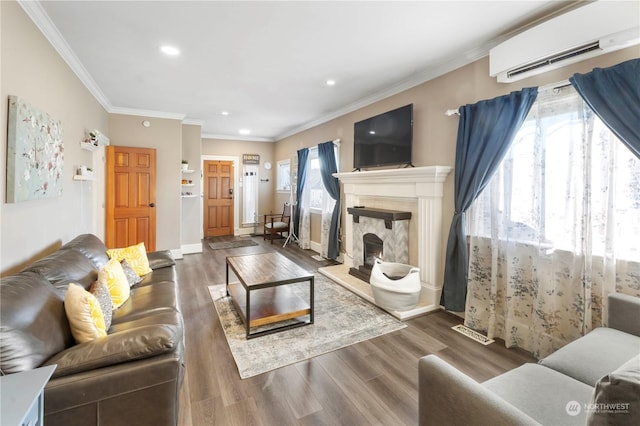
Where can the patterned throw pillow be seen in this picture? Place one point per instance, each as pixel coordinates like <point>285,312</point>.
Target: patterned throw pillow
<point>101,292</point>
<point>131,275</point>
<point>112,275</point>
<point>84,313</point>
<point>135,255</point>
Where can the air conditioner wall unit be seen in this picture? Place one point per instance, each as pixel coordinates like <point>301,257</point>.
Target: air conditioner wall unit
<point>582,33</point>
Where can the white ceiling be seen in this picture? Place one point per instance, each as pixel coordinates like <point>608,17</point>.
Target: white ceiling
<point>266,62</point>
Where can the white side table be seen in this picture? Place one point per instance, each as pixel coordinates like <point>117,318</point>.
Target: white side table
<point>22,397</point>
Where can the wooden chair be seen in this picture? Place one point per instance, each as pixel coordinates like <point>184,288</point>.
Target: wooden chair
<point>277,223</point>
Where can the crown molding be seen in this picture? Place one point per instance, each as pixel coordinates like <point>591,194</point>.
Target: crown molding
<point>34,10</point>
<point>237,138</point>
<point>193,122</point>
<point>455,62</point>
<point>148,113</point>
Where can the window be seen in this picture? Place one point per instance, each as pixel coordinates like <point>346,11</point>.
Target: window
<point>317,192</point>
<point>314,180</point>
<point>284,176</point>
<point>565,180</point>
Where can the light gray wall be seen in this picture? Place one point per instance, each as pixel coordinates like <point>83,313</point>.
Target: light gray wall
<point>191,207</point>
<point>33,70</point>
<point>165,135</point>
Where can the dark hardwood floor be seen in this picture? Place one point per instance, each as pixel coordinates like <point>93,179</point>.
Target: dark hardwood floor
<point>371,383</point>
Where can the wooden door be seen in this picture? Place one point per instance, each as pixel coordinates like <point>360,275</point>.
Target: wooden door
<point>130,197</point>
<point>218,198</point>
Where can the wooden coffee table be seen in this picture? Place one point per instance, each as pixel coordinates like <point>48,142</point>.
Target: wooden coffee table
<point>263,294</point>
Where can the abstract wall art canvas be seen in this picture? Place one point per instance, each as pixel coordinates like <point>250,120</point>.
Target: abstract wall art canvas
<point>35,153</point>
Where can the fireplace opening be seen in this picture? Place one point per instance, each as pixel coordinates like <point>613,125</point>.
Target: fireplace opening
<point>373,249</point>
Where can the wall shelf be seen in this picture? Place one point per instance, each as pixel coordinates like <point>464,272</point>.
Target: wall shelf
<point>82,177</point>
<point>94,141</point>
<point>90,146</point>
<point>188,171</point>
<point>190,195</point>
<point>188,184</point>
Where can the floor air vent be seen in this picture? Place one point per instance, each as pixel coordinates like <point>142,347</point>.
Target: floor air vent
<point>472,334</point>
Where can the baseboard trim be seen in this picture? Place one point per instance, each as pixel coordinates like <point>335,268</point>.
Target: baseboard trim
<point>191,248</point>
<point>176,253</point>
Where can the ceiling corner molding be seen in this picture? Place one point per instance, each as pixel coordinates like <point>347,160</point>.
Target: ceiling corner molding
<point>236,138</point>
<point>34,10</point>
<point>455,62</point>
<point>147,113</point>
<point>193,122</point>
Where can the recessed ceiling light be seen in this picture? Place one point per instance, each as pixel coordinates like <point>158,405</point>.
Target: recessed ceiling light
<point>169,50</point>
<point>224,113</point>
<point>244,131</point>
<point>330,82</point>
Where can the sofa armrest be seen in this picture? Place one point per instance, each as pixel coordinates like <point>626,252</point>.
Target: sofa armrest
<point>160,259</point>
<point>624,313</point>
<point>124,346</point>
<point>448,396</point>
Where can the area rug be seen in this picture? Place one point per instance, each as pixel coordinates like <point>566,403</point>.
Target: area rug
<point>233,244</point>
<point>341,318</point>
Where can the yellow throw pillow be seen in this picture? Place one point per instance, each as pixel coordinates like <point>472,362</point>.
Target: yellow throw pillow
<point>136,256</point>
<point>84,314</point>
<point>116,281</point>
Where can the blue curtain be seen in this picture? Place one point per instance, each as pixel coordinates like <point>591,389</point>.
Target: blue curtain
<point>328,167</point>
<point>303,154</point>
<point>485,132</point>
<point>614,95</point>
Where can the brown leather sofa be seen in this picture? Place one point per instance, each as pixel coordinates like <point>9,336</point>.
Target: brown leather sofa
<point>131,376</point>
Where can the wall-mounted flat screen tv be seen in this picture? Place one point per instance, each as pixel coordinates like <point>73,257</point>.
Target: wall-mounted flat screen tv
<point>384,140</point>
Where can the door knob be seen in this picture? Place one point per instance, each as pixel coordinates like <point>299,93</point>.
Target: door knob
<point>152,204</point>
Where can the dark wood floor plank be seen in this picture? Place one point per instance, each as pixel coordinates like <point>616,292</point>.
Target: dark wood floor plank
<point>337,408</point>
<point>403,403</point>
<point>209,412</point>
<point>365,370</point>
<point>372,408</point>
<point>372,382</point>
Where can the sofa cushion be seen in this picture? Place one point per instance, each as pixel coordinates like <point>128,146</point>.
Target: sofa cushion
<point>84,314</point>
<point>147,300</point>
<point>131,275</point>
<point>112,275</point>
<point>136,255</point>
<point>624,313</point>
<point>126,346</point>
<point>592,356</point>
<point>547,396</point>
<point>66,266</point>
<point>101,292</point>
<point>33,324</point>
<point>159,275</point>
<point>616,399</point>
<point>166,317</point>
<point>91,247</point>
<point>160,259</point>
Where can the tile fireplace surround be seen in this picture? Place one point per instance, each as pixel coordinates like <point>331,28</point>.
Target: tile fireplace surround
<point>420,185</point>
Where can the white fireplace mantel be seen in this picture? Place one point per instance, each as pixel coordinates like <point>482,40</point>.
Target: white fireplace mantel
<point>425,185</point>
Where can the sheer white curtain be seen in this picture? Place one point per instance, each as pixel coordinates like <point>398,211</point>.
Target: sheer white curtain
<point>304,204</point>
<point>328,204</point>
<point>556,230</point>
